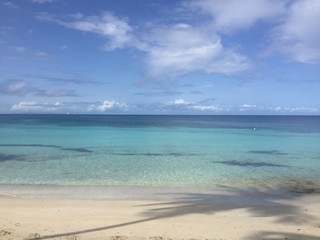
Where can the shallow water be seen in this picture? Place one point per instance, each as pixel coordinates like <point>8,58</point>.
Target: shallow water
<point>166,151</point>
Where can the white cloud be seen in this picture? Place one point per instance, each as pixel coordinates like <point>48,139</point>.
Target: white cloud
<point>10,5</point>
<point>53,107</point>
<point>181,104</point>
<point>173,50</point>
<point>107,105</point>
<point>295,109</point>
<point>40,54</point>
<point>178,102</point>
<point>208,108</point>
<point>248,106</point>
<point>32,106</point>
<point>304,109</point>
<point>298,37</point>
<point>232,15</point>
<point>43,1</point>
<point>175,106</point>
<point>22,88</point>
<point>30,52</point>
<point>278,109</point>
<point>55,93</point>
<point>179,49</point>
<point>293,25</point>
<point>170,50</point>
<point>12,87</point>
<point>16,87</point>
<point>116,30</point>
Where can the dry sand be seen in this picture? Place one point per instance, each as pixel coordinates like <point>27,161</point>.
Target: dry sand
<point>199,216</point>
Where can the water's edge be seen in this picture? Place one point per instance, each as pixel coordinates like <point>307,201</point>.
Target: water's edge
<point>203,194</point>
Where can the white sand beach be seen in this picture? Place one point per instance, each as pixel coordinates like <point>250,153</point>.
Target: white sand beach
<point>237,214</point>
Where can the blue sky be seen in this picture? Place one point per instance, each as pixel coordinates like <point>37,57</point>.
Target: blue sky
<point>160,56</point>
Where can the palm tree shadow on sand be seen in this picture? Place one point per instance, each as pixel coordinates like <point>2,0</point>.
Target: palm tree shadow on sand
<point>259,203</point>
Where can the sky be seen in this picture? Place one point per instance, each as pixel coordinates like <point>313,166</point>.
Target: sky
<point>160,56</point>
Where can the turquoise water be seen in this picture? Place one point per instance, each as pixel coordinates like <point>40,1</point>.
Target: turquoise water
<point>206,151</point>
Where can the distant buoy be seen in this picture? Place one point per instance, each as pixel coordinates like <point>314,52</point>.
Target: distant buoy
<point>254,129</point>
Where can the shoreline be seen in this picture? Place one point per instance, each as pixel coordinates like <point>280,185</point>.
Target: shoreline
<point>121,192</point>
<point>158,213</point>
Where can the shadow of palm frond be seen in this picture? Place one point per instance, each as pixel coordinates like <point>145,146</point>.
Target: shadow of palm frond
<point>259,203</point>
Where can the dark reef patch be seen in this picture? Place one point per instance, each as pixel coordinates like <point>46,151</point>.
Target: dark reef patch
<point>249,164</point>
<point>269,152</point>
<point>173,154</point>
<point>29,145</point>
<point>9,157</point>
<point>82,150</point>
<point>177,154</point>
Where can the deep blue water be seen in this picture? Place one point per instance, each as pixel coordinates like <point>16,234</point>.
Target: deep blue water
<point>282,123</point>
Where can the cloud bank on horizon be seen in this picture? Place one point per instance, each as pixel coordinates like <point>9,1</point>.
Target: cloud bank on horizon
<point>163,57</point>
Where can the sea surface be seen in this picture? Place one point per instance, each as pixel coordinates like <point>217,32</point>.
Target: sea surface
<point>163,151</point>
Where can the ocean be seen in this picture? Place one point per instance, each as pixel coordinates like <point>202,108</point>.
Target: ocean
<point>160,151</point>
